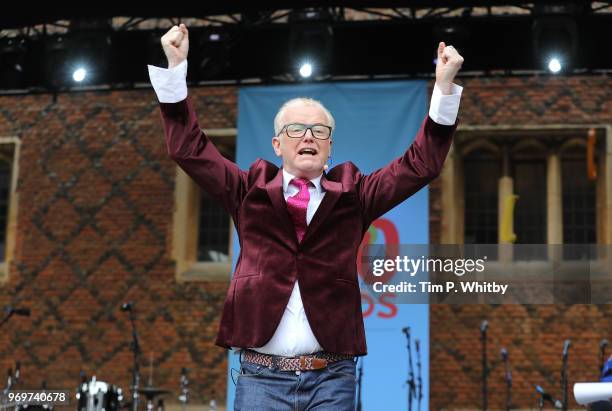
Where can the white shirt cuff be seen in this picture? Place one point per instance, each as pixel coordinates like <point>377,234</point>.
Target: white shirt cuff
<point>170,85</point>
<point>444,107</point>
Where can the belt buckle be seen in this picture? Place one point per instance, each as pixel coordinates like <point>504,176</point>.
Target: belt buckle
<point>309,362</point>
<point>275,362</point>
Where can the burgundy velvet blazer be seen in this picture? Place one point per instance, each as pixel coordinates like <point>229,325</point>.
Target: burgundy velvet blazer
<point>271,259</point>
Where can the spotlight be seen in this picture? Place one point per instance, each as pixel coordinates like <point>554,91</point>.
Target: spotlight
<point>12,62</point>
<point>556,39</point>
<point>555,36</point>
<point>306,70</point>
<point>79,74</point>
<point>81,55</point>
<point>554,65</point>
<point>91,40</point>
<point>311,38</point>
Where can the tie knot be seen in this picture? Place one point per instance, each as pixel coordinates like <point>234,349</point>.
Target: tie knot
<point>300,183</point>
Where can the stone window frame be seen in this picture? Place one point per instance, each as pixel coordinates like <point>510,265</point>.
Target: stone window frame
<point>11,221</point>
<point>185,226</point>
<point>452,205</point>
<point>472,137</point>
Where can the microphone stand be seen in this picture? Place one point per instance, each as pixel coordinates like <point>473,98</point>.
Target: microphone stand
<point>137,352</point>
<point>602,355</point>
<point>544,396</point>
<point>410,380</point>
<point>566,346</point>
<point>508,378</point>
<point>419,385</point>
<point>136,368</point>
<point>540,401</point>
<point>360,379</point>
<point>485,370</point>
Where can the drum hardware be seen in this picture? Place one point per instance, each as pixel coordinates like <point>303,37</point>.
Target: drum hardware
<point>30,407</point>
<point>184,389</point>
<point>150,393</point>
<point>11,380</point>
<point>95,395</point>
<point>35,407</point>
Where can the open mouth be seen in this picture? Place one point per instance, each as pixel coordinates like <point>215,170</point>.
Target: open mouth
<point>307,152</point>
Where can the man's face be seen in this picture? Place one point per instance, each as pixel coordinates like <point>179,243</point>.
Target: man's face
<point>303,157</point>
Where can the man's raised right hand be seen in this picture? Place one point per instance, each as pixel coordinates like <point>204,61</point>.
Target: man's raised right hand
<point>176,45</point>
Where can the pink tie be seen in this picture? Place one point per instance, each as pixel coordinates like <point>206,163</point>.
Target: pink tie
<point>297,206</point>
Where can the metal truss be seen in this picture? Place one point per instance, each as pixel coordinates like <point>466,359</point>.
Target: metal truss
<point>419,10</point>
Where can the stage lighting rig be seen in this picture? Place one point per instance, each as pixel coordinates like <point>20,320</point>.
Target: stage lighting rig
<point>555,37</point>
<point>12,62</point>
<point>311,41</point>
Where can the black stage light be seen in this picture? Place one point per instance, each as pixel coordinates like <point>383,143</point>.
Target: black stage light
<point>555,37</point>
<point>12,62</point>
<point>56,59</point>
<point>79,57</point>
<point>311,42</point>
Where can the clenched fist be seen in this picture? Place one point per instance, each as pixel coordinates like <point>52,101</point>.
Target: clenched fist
<point>176,45</point>
<point>449,63</point>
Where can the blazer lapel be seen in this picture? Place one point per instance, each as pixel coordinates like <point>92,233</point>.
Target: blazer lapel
<point>274,188</point>
<point>333,190</point>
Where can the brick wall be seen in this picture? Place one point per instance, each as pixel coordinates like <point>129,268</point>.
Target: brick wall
<point>533,335</point>
<point>94,224</point>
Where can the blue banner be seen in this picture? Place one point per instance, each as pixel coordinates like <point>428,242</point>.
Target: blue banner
<point>375,123</point>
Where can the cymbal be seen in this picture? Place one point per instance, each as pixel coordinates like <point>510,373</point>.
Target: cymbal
<point>153,391</point>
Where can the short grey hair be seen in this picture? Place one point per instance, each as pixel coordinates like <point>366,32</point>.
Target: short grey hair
<point>300,101</point>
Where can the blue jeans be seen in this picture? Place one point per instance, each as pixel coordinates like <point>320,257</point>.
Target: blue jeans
<point>329,389</point>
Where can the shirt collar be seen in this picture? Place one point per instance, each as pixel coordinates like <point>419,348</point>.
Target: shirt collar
<point>287,177</point>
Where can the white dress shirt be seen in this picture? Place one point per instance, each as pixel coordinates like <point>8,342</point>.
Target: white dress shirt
<point>294,336</point>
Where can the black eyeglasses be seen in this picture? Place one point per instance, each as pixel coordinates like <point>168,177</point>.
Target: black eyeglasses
<point>297,130</point>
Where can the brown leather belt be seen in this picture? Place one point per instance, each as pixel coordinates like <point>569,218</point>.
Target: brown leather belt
<point>310,362</point>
